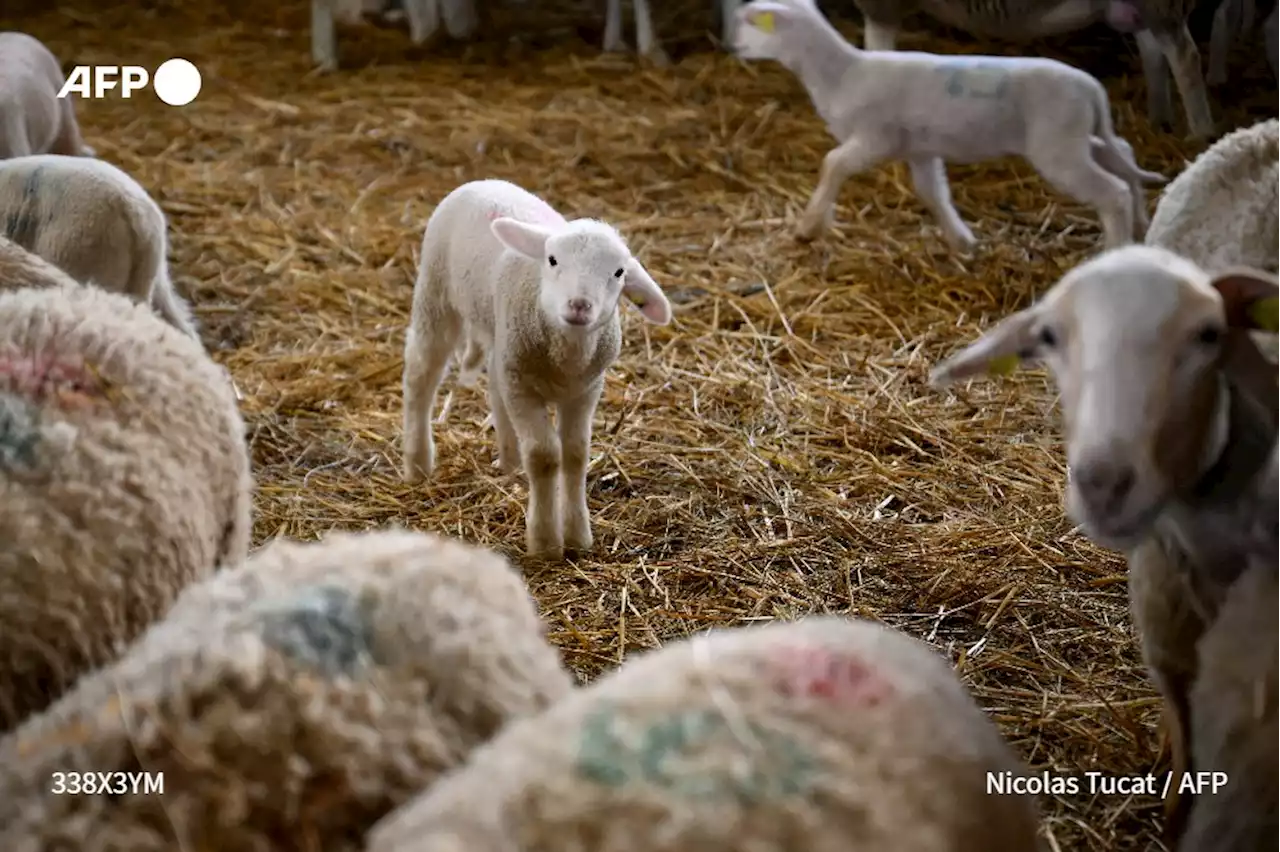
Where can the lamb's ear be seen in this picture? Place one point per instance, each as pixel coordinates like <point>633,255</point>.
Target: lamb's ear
<point>998,352</point>
<point>643,292</point>
<point>528,240</point>
<point>1249,297</point>
<point>767,16</point>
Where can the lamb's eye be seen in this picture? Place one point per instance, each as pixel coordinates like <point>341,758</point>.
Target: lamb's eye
<point>1048,337</point>
<point>1210,335</point>
<point>618,274</point>
<point>551,259</point>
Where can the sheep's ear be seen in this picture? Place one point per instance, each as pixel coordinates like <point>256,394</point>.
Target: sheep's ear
<point>767,16</point>
<point>643,292</point>
<point>998,352</point>
<point>1249,297</point>
<point>528,240</point>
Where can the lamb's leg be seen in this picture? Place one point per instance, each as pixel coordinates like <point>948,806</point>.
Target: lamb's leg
<point>424,19</point>
<point>1155,70</point>
<point>504,433</point>
<point>1104,156</point>
<point>929,176</point>
<point>1180,52</point>
<point>541,455</point>
<point>575,439</point>
<point>427,347</point>
<point>69,141</point>
<point>728,15</point>
<point>461,20</point>
<point>613,27</point>
<point>1073,172</point>
<point>850,157</point>
<point>324,50</point>
<point>1227,22</point>
<point>646,37</point>
<point>878,36</point>
<point>1271,31</point>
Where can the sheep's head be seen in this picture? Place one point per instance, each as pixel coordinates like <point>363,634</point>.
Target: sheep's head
<point>767,29</point>
<point>1135,340</point>
<point>586,267</point>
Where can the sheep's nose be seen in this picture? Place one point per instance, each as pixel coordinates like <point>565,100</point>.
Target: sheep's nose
<point>1104,483</point>
<point>580,306</point>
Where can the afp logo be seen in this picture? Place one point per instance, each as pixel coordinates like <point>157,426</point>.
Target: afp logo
<point>176,82</point>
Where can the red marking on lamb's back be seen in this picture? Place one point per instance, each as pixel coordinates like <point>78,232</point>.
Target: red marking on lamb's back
<point>41,377</point>
<point>817,672</point>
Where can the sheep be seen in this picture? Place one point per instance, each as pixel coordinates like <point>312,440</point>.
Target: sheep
<point>124,476</point>
<point>536,296</point>
<point>33,119</point>
<point>1169,411</point>
<point>823,734</point>
<point>930,110</point>
<point>1159,26</point>
<point>94,222</point>
<point>1230,19</point>
<point>1234,728</point>
<point>302,694</point>
<point>647,44</point>
<point>20,269</point>
<point>459,17</point>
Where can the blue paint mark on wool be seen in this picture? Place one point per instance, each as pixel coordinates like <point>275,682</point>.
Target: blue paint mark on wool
<point>327,628</point>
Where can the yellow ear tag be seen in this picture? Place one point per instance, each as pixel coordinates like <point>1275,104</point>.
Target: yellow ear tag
<point>763,22</point>
<point>1266,313</point>
<point>1004,365</point>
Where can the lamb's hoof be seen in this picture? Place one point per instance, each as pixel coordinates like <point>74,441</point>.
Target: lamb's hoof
<point>807,233</point>
<point>961,243</point>
<point>658,58</point>
<point>415,472</point>
<point>579,541</point>
<point>546,551</point>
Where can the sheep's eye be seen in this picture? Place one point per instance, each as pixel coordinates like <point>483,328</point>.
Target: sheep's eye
<point>618,274</point>
<point>551,259</point>
<point>1210,335</point>
<point>1048,337</point>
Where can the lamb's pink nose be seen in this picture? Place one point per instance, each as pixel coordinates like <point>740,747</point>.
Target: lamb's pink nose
<point>579,312</point>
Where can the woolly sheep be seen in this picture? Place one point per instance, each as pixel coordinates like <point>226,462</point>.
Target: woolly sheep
<point>1160,26</point>
<point>1170,413</point>
<point>33,119</point>
<point>20,268</point>
<point>930,109</point>
<point>825,734</point>
<point>124,477</point>
<point>537,296</point>
<point>94,222</point>
<point>1234,728</point>
<point>301,695</point>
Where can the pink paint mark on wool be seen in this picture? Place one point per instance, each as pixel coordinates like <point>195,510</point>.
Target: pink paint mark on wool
<point>42,377</point>
<point>820,673</point>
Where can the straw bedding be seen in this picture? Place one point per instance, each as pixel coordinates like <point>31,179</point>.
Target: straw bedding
<point>772,453</point>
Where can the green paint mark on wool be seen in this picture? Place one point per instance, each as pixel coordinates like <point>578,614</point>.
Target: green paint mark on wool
<point>326,628</point>
<point>19,433</point>
<point>694,753</point>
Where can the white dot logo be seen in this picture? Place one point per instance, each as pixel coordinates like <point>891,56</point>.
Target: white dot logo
<point>176,82</point>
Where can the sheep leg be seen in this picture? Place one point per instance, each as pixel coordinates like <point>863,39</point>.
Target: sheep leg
<point>613,27</point>
<point>69,141</point>
<point>847,159</point>
<point>1174,715</point>
<point>575,439</point>
<point>1075,174</point>
<point>1104,156</point>
<point>878,36</point>
<point>461,20</point>
<point>646,37</point>
<point>324,50</point>
<point>504,432</point>
<point>427,348</point>
<point>542,458</point>
<point>1183,57</point>
<point>1155,70</point>
<point>424,19</point>
<point>728,15</point>
<point>1227,22</point>
<point>1271,30</point>
<point>930,179</point>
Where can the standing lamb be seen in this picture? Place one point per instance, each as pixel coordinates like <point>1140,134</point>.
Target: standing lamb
<point>1170,417</point>
<point>1160,27</point>
<point>94,222</point>
<point>823,735</point>
<point>33,119</point>
<point>537,295</point>
<point>289,702</point>
<point>124,477</point>
<point>929,110</point>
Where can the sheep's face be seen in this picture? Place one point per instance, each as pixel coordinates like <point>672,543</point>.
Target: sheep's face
<point>584,264</point>
<point>772,29</point>
<point>1134,339</point>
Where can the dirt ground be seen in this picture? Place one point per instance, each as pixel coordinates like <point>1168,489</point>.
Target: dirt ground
<point>773,453</point>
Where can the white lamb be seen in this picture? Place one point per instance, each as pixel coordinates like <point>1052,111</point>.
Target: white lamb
<point>33,119</point>
<point>538,294</point>
<point>929,110</point>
